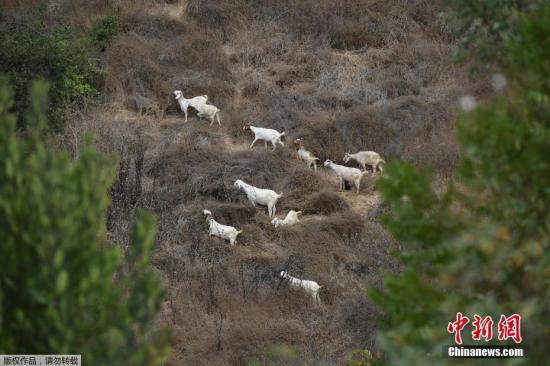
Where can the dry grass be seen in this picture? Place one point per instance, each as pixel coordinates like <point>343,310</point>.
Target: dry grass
<point>342,75</point>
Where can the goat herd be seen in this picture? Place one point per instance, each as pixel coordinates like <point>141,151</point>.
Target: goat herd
<point>269,198</point>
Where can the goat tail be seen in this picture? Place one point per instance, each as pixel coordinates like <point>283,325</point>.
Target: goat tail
<point>239,232</point>
<point>298,212</point>
<point>282,133</point>
<point>364,173</point>
<point>206,98</point>
<point>280,194</point>
<point>383,161</point>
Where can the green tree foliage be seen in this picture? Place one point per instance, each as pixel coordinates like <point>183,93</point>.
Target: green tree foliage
<point>63,287</point>
<point>104,30</point>
<point>30,51</point>
<point>481,247</point>
<point>483,26</point>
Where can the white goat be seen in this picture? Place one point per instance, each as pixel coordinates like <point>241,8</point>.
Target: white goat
<point>195,102</point>
<point>265,197</point>
<point>352,175</point>
<point>219,230</point>
<point>290,219</point>
<point>265,134</point>
<point>305,155</point>
<point>209,111</point>
<point>367,158</point>
<point>311,287</point>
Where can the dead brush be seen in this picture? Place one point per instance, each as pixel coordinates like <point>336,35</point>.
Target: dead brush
<point>304,180</point>
<point>397,87</point>
<point>335,227</point>
<point>324,203</point>
<point>149,61</point>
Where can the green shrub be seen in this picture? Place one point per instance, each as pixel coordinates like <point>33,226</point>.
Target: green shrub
<point>482,248</point>
<point>483,26</point>
<point>29,52</point>
<point>360,358</point>
<point>63,287</point>
<point>104,30</point>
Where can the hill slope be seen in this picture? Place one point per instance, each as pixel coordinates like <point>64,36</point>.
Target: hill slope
<point>342,75</point>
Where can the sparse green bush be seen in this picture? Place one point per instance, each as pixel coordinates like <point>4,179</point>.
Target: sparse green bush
<point>63,287</point>
<point>484,26</point>
<point>282,352</point>
<point>104,30</point>
<point>29,52</point>
<point>360,358</point>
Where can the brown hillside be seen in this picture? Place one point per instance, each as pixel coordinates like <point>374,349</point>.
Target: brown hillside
<point>342,75</point>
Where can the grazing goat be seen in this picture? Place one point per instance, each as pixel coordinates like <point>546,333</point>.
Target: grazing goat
<point>264,197</point>
<point>265,134</point>
<point>311,287</point>
<point>209,111</point>
<point>367,158</point>
<point>195,102</point>
<point>305,155</point>
<point>219,230</point>
<point>290,219</point>
<point>351,175</point>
